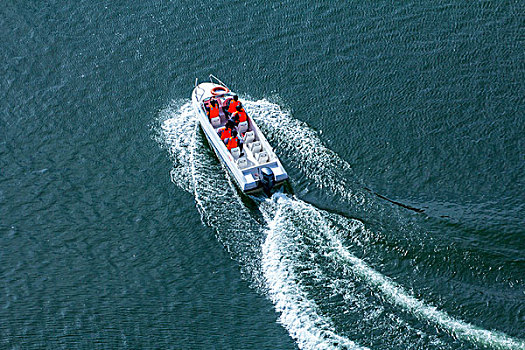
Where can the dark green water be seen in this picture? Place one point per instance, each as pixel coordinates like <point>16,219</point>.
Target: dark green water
<point>111,238</point>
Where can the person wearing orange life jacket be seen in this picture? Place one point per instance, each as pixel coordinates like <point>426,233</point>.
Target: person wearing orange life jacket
<point>240,114</point>
<point>213,109</point>
<point>226,133</point>
<point>234,141</point>
<point>232,105</point>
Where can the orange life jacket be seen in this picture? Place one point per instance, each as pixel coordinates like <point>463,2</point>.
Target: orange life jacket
<point>233,105</point>
<point>214,111</point>
<point>242,115</point>
<point>232,143</point>
<point>227,133</point>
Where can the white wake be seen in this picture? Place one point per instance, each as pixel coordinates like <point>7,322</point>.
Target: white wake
<point>267,250</point>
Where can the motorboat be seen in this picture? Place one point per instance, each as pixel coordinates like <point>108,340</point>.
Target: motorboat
<point>253,165</point>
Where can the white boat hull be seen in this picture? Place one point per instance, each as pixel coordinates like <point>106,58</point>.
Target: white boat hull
<point>245,170</point>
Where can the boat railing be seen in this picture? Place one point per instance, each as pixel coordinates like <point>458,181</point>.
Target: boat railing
<point>197,87</point>
<point>212,77</point>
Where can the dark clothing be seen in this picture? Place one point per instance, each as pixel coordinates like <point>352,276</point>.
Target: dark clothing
<point>230,123</point>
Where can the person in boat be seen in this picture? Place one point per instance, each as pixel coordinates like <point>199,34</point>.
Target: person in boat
<point>231,123</point>
<point>227,132</point>
<point>240,114</point>
<point>230,108</point>
<point>234,141</point>
<point>213,109</point>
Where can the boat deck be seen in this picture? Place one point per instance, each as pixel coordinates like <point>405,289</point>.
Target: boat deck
<point>253,153</point>
<point>249,168</point>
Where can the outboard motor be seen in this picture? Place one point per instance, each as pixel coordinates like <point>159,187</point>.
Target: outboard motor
<point>267,180</point>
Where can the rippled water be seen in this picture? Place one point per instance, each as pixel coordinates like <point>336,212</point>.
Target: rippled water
<point>306,259</point>
<point>401,126</point>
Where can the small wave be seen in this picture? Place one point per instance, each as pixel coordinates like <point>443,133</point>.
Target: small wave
<point>268,250</point>
<point>288,294</point>
<point>197,171</point>
<point>317,162</point>
<point>299,314</point>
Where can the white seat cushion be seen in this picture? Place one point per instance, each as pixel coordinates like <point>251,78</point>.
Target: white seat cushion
<point>242,127</point>
<point>262,157</point>
<point>256,146</point>
<point>249,137</point>
<point>216,121</point>
<point>242,162</point>
<point>236,152</point>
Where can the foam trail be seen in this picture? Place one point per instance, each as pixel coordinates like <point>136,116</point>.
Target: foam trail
<point>317,162</point>
<point>397,295</point>
<point>333,248</point>
<point>299,314</point>
<point>269,261</point>
<point>325,168</point>
<point>197,171</point>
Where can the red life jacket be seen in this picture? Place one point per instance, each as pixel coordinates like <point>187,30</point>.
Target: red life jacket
<point>232,143</point>
<point>242,115</point>
<point>227,133</point>
<point>233,105</point>
<point>214,111</point>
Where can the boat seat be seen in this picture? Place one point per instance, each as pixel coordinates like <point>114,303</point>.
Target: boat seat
<point>249,136</point>
<point>242,162</point>
<point>256,146</point>
<point>216,121</point>
<point>242,127</point>
<point>262,157</point>
<point>236,152</point>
